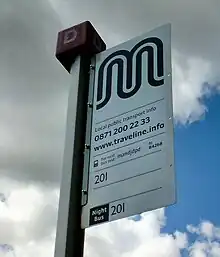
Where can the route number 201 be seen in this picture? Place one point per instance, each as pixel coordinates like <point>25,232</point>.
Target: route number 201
<point>118,208</point>
<point>101,178</point>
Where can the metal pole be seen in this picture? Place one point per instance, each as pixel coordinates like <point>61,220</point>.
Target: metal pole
<point>70,236</point>
<point>75,235</point>
<point>75,48</point>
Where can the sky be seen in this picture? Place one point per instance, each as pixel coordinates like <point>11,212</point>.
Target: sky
<point>34,90</point>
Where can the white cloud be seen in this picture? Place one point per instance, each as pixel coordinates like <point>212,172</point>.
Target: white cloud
<point>189,76</point>
<point>28,225</point>
<point>28,221</point>
<point>192,229</point>
<point>144,239</point>
<point>205,248</point>
<point>207,229</point>
<point>181,239</point>
<point>198,249</point>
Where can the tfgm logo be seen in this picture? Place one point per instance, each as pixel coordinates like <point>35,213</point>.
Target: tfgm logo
<point>129,70</point>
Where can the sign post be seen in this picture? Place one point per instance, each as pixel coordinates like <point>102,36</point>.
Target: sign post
<point>75,47</point>
<point>119,150</point>
<point>131,164</point>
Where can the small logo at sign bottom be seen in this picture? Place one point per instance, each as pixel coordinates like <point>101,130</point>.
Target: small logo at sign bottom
<point>99,214</point>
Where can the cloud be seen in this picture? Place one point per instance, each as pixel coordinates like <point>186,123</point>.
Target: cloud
<point>194,40</point>
<point>143,238</point>
<point>28,225</point>
<point>6,250</point>
<point>189,77</point>
<point>192,34</point>
<point>34,86</point>
<point>181,239</point>
<point>33,93</point>
<point>206,229</point>
<point>2,198</point>
<point>129,238</point>
<point>28,222</point>
<point>34,90</point>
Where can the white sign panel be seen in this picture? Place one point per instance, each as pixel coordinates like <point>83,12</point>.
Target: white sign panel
<point>131,167</point>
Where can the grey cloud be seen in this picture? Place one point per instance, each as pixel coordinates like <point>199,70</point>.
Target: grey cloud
<point>195,40</point>
<point>33,92</point>
<point>34,86</point>
<point>2,198</point>
<point>34,89</point>
<point>195,24</point>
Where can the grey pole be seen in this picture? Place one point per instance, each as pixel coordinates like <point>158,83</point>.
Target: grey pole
<point>75,48</point>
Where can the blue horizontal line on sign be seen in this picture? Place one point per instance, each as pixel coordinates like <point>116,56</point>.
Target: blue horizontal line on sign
<point>142,193</point>
<point>128,160</point>
<point>125,179</point>
<point>130,111</point>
